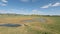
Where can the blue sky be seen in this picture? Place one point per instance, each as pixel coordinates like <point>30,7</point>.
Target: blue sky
<point>42,7</point>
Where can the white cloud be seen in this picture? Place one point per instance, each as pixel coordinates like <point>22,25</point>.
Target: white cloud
<point>5,1</point>
<point>3,5</point>
<point>34,0</point>
<point>51,5</point>
<point>38,12</point>
<point>46,6</point>
<point>7,11</point>
<point>28,0</point>
<point>34,10</point>
<point>2,10</point>
<point>56,4</point>
<point>25,0</point>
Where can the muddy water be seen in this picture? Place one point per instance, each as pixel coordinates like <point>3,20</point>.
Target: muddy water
<point>10,25</point>
<point>40,19</point>
<point>27,20</point>
<point>36,19</point>
<point>17,25</point>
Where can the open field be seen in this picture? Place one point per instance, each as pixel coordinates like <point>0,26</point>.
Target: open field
<point>30,24</point>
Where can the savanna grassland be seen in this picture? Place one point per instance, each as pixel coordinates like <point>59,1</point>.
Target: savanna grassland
<point>30,24</point>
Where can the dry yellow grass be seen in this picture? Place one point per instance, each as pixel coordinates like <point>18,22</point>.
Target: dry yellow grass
<point>29,29</point>
<point>12,20</point>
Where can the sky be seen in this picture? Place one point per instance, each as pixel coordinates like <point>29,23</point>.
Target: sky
<point>28,7</point>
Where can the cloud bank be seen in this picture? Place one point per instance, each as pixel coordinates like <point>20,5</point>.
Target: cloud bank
<point>3,2</point>
<point>51,5</point>
<point>24,0</point>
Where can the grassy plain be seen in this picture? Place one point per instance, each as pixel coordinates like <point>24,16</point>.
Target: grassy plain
<point>51,26</point>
